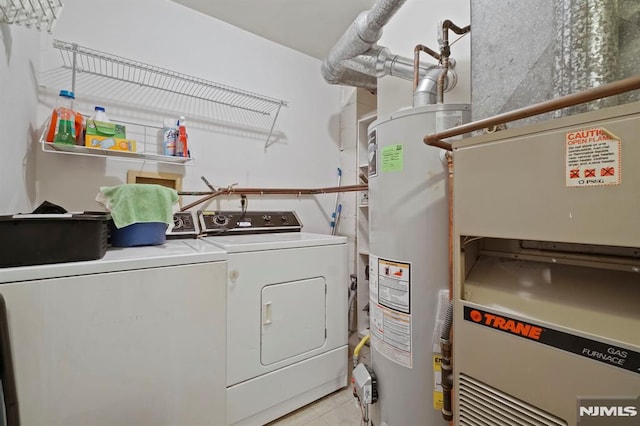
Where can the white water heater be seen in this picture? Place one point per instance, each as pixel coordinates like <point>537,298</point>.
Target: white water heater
<point>408,241</point>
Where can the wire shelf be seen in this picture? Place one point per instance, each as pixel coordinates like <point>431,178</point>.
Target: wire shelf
<point>41,14</point>
<point>147,147</point>
<point>84,60</point>
<point>144,84</point>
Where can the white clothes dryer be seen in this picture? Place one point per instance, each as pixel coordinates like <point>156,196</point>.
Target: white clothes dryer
<point>286,314</point>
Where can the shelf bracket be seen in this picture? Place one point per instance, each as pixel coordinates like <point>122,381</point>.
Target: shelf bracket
<point>273,124</point>
<point>74,66</point>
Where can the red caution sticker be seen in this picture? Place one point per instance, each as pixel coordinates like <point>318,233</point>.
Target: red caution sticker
<point>593,158</point>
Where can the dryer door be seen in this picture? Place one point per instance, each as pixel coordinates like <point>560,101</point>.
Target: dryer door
<point>293,319</point>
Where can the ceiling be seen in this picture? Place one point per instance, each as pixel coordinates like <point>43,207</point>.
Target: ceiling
<point>308,26</point>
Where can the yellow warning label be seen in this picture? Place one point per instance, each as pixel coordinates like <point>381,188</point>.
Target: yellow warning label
<point>438,397</point>
<point>438,400</point>
<point>437,362</point>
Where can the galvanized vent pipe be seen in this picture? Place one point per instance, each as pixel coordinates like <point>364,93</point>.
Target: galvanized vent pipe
<point>363,33</point>
<point>356,59</point>
<point>379,62</point>
<point>586,49</point>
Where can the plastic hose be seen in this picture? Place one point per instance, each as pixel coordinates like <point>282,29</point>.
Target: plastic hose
<point>447,371</point>
<point>363,341</point>
<point>356,351</point>
<point>448,322</point>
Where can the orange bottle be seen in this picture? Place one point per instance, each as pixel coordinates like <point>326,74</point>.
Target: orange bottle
<point>182,149</point>
<point>63,128</point>
<point>79,129</point>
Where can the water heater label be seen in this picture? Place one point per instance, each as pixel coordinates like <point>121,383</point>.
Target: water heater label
<point>393,285</point>
<point>389,308</point>
<point>392,158</point>
<point>615,356</point>
<point>372,153</point>
<point>438,393</point>
<point>593,158</point>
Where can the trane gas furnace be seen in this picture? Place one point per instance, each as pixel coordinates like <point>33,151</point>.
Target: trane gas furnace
<point>547,273</point>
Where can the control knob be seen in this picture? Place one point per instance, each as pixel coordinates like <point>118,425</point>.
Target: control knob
<point>220,219</point>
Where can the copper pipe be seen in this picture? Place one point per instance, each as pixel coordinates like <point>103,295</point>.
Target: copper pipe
<point>451,254</point>
<point>448,25</point>
<point>448,368</point>
<point>416,62</point>
<point>269,191</point>
<point>445,52</point>
<point>451,259</point>
<point>441,79</point>
<point>606,90</point>
<point>280,191</point>
<point>202,200</point>
<point>441,144</point>
<point>346,188</point>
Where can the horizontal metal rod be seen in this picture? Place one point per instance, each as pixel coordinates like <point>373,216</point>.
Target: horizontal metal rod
<point>208,195</point>
<point>606,90</point>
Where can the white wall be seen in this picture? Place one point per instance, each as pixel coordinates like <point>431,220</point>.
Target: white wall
<point>168,35</point>
<point>416,23</point>
<point>19,58</point>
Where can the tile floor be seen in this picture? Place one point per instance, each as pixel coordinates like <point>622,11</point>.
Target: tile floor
<point>337,409</point>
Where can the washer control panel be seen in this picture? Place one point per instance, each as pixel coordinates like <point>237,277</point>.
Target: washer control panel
<point>185,225</point>
<point>215,222</point>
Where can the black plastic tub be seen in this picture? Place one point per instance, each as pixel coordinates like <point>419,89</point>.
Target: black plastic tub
<point>37,239</point>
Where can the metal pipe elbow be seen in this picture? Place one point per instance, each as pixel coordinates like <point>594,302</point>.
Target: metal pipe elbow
<point>427,91</point>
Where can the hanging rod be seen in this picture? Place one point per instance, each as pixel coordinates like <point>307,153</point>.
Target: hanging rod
<point>208,195</point>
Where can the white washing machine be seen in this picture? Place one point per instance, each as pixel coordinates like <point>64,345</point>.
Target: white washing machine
<point>135,338</point>
<point>286,313</point>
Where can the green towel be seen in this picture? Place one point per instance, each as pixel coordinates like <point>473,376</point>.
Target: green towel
<point>135,203</point>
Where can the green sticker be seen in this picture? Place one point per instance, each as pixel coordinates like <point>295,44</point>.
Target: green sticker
<point>392,158</point>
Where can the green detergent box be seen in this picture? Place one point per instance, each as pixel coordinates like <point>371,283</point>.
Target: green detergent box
<point>110,130</point>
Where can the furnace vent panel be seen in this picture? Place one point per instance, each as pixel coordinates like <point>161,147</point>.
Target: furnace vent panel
<point>483,405</point>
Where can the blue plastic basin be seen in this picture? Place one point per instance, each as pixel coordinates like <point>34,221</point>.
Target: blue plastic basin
<point>139,234</point>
